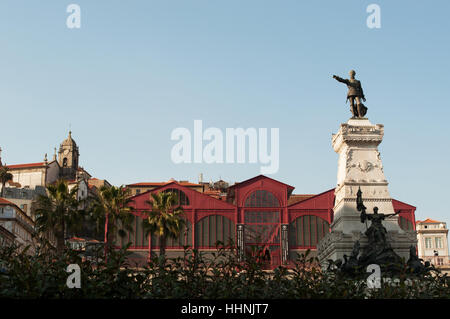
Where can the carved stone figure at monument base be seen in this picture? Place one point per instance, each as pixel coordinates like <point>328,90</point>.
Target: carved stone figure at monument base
<point>378,249</point>
<point>355,93</point>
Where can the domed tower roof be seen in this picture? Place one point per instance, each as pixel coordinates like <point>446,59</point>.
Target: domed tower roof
<point>69,141</point>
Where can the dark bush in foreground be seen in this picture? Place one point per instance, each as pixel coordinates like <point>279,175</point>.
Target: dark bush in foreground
<point>44,275</point>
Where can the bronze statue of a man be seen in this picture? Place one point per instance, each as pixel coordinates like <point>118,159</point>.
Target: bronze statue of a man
<point>355,92</point>
<point>376,232</point>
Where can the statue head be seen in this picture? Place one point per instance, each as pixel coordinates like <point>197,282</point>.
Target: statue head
<point>375,210</point>
<point>352,74</point>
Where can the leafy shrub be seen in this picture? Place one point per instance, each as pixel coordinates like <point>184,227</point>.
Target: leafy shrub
<point>43,275</point>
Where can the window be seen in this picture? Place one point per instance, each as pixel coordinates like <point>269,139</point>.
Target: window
<point>138,237</point>
<point>428,242</point>
<point>213,228</point>
<point>65,162</point>
<point>182,198</point>
<point>138,191</point>
<point>307,231</point>
<point>438,242</point>
<point>185,238</point>
<point>262,227</point>
<point>261,198</point>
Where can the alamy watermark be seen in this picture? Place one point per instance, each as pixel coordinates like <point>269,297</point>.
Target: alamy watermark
<point>374,19</point>
<point>231,147</point>
<point>73,21</point>
<point>74,279</point>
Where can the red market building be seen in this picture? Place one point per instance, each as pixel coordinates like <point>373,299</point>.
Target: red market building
<point>260,214</point>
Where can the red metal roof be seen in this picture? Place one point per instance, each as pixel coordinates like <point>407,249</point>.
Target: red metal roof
<point>250,180</point>
<point>297,198</point>
<point>26,165</point>
<point>144,184</point>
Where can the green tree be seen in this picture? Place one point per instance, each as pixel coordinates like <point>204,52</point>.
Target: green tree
<point>109,207</point>
<point>165,219</point>
<point>59,211</point>
<point>5,176</point>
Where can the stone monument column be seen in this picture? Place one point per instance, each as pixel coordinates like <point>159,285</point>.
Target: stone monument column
<point>360,166</point>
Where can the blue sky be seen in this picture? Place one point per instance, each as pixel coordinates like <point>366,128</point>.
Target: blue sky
<point>136,70</point>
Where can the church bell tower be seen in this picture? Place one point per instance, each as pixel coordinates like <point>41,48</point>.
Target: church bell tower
<point>68,156</point>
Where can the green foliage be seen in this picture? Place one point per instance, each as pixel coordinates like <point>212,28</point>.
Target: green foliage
<point>220,275</point>
<point>59,211</point>
<point>110,205</point>
<point>165,219</point>
<point>5,176</point>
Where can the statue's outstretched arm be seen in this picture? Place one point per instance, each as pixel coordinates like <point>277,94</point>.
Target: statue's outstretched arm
<point>389,215</point>
<point>340,79</point>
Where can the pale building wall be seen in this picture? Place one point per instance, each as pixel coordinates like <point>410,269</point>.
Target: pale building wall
<point>17,223</point>
<point>431,232</point>
<point>435,251</point>
<point>29,177</point>
<point>82,190</point>
<point>24,204</point>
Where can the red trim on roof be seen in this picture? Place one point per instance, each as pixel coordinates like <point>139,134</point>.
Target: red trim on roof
<point>26,165</point>
<point>259,177</point>
<point>290,206</point>
<point>6,202</point>
<point>144,184</point>
<point>402,205</point>
<point>428,221</point>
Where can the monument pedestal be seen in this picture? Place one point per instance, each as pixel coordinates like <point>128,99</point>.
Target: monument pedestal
<point>360,166</point>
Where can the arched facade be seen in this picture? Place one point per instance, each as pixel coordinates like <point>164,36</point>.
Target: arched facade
<point>257,217</point>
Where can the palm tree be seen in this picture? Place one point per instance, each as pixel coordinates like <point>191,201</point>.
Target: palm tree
<point>59,211</point>
<point>110,207</point>
<point>166,218</point>
<point>5,177</point>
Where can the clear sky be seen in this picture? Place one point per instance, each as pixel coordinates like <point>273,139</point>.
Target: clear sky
<point>136,70</point>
